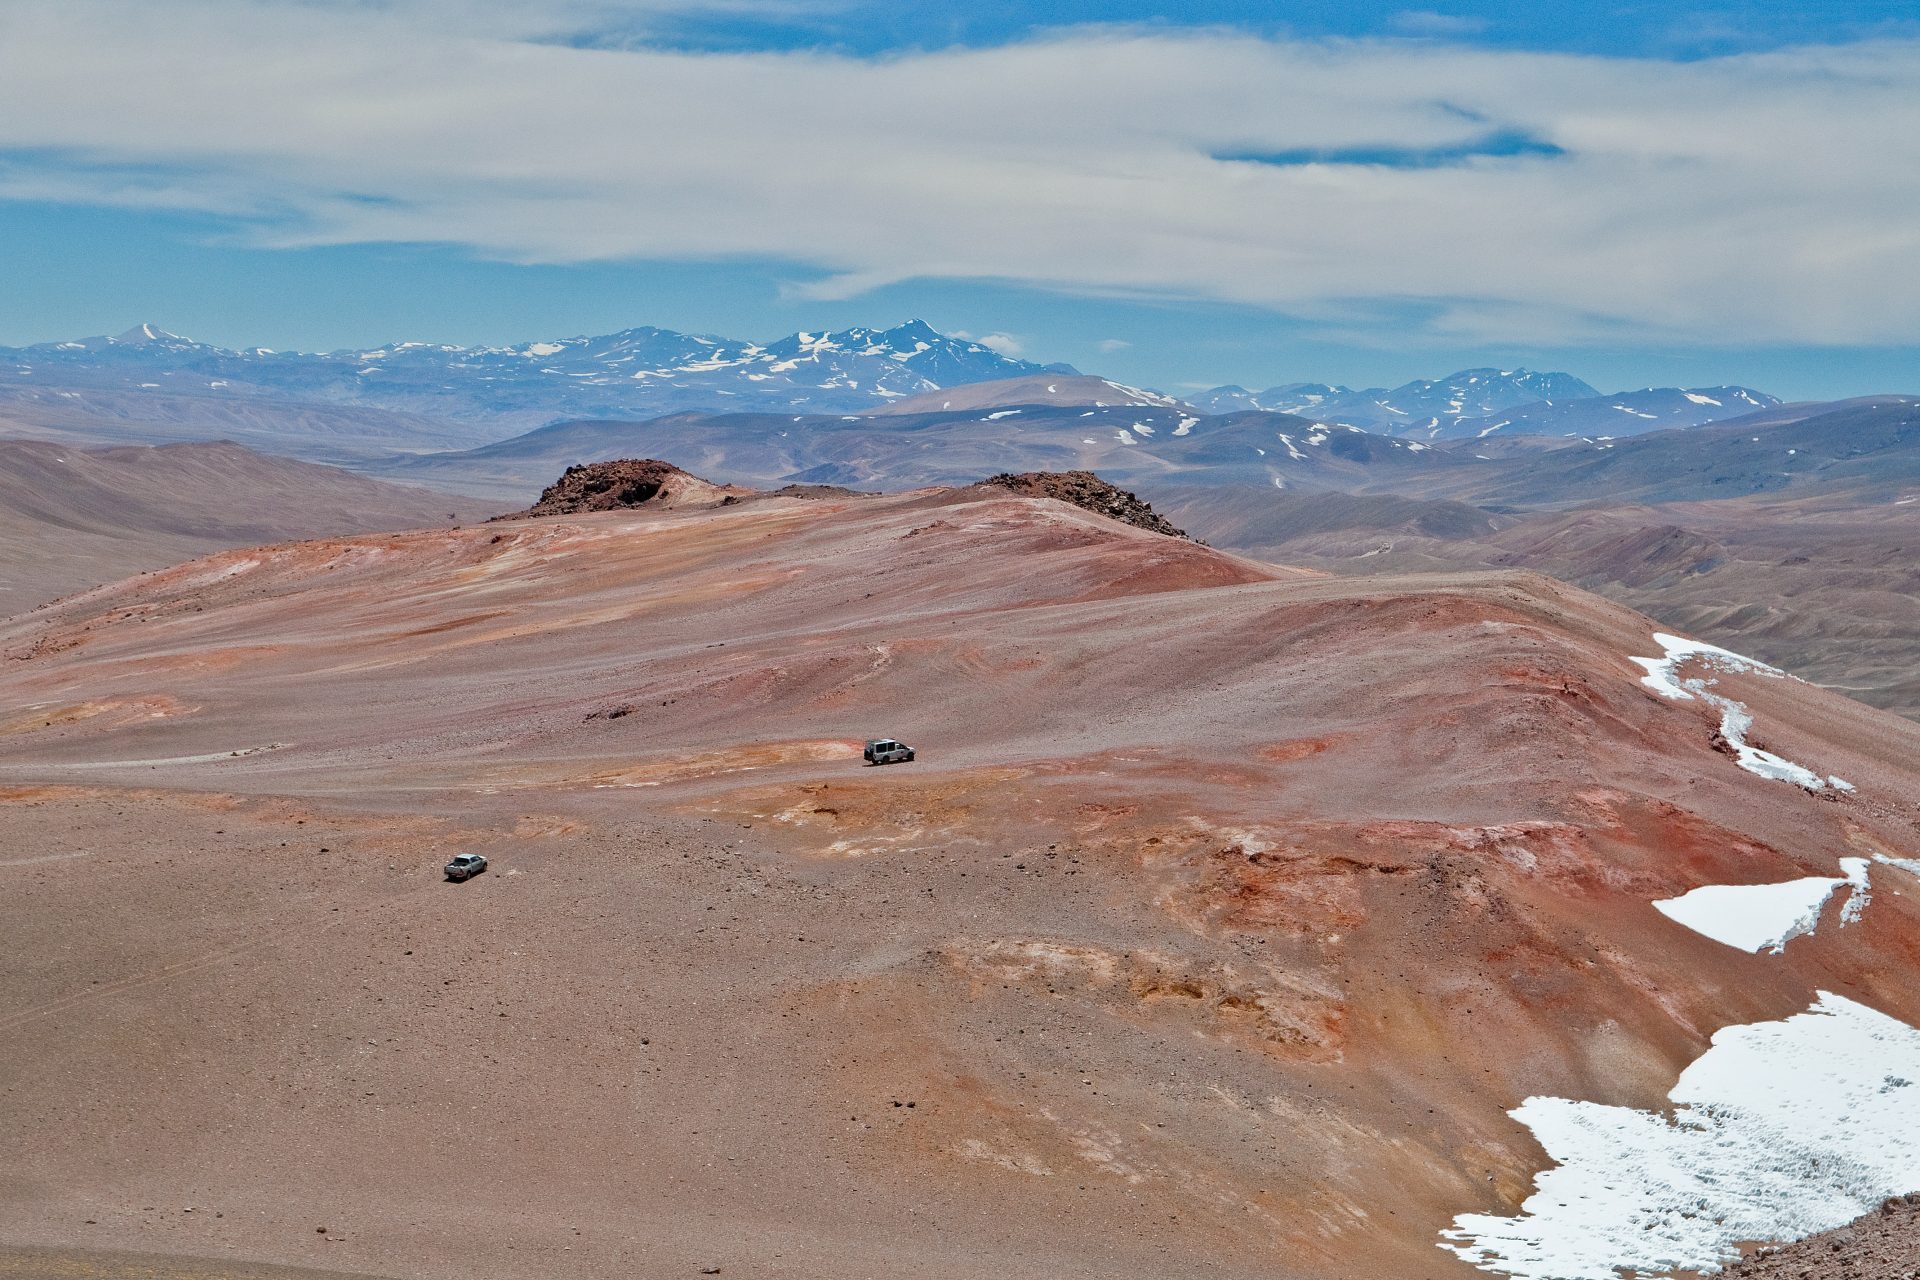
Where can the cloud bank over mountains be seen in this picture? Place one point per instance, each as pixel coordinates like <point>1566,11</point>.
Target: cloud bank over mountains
<point>1489,195</point>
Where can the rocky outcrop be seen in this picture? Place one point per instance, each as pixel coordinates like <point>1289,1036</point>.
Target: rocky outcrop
<point>1089,492</point>
<point>623,484</point>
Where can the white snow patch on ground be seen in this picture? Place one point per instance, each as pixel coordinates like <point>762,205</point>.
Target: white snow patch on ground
<point>1779,1131</point>
<point>1765,917</point>
<point>1186,425</point>
<point>1856,873</point>
<point>1004,413</point>
<point>1702,399</point>
<point>1662,678</point>
<point>1141,428</point>
<point>1139,396</point>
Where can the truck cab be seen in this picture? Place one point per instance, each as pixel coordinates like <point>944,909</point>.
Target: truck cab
<point>887,751</point>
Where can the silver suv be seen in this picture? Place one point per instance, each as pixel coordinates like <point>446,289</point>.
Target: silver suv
<point>887,751</point>
<point>466,865</point>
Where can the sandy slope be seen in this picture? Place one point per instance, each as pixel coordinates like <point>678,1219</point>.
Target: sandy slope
<point>1226,913</point>
<point>72,518</point>
<point>1828,587</point>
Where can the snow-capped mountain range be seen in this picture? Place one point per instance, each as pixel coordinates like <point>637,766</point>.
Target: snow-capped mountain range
<point>1480,402</point>
<point>1469,393</point>
<point>638,372</point>
<point>648,372</point>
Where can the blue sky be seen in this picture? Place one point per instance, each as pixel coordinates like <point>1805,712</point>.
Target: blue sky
<point>1219,192</point>
<point>1628,29</point>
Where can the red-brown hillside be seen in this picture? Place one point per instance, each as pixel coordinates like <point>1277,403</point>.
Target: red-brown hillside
<point>1223,916</point>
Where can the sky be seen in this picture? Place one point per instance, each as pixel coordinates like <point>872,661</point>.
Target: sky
<point>1180,196</point>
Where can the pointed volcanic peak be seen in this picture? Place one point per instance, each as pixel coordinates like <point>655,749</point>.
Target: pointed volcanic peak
<point>147,335</point>
<point>625,484</point>
<point>141,340</point>
<point>1049,389</point>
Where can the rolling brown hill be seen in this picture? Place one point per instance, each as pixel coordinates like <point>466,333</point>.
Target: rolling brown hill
<point>1827,587</point>
<point>1226,914</point>
<point>72,518</point>
<point>337,434</point>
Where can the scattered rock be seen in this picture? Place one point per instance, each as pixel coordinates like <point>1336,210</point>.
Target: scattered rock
<point>1882,1245</point>
<point>816,491</point>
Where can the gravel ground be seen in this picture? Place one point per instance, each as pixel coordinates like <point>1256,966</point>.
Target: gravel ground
<point>1884,1245</point>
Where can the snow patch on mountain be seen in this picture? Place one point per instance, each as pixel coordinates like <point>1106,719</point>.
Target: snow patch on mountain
<point>1662,677</point>
<point>1779,1131</point>
<point>1765,917</point>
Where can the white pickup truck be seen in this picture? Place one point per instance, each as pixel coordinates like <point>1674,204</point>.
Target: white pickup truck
<point>465,866</point>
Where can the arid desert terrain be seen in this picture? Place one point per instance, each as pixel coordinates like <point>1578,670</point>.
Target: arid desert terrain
<point>1226,914</point>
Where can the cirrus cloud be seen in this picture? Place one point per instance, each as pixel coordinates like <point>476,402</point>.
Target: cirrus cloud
<point>1499,195</point>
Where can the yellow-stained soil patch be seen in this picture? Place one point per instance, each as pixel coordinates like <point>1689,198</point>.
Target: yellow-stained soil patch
<point>537,826</point>
<point>893,812</point>
<point>103,713</point>
<point>668,769</point>
<point>760,755</point>
<point>1297,749</point>
<point>1285,1013</point>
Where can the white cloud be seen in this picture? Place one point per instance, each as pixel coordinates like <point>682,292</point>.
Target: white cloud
<point>1005,343</point>
<point>1111,345</point>
<point>1759,198</point>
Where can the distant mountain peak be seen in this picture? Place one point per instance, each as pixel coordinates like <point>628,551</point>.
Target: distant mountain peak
<point>146,334</point>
